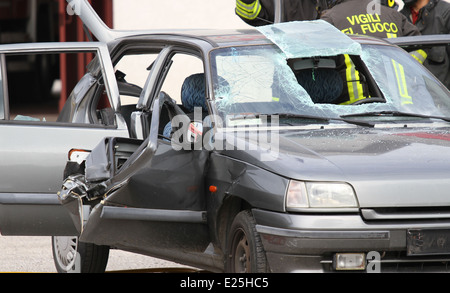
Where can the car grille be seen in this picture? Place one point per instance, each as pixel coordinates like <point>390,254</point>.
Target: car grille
<point>401,214</point>
<point>399,262</point>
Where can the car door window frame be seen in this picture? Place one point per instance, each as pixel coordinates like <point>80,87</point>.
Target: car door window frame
<point>161,69</point>
<point>100,49</point>
<point>4,89</point>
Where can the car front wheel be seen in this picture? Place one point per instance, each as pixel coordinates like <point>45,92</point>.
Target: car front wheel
<point>71,255</point>
<point>245,250</point>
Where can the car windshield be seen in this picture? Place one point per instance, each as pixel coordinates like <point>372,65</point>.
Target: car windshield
<point>261,80</point>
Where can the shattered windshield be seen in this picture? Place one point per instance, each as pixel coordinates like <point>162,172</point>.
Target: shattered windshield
<point>261,80</point>
<point>314,71</point>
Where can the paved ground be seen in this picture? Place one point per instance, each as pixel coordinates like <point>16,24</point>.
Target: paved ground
<point>34,254</point>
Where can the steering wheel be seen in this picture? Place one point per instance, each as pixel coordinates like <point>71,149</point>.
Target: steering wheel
<point>369,100</point>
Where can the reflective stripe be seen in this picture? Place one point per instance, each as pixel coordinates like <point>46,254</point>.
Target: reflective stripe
<point>391,36</point>
<point>419,55</point>
<point>248,11</point>
<point>355,89</point>
<point>401,81</point>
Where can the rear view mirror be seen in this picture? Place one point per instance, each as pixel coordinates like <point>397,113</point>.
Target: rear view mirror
<point>301,64</point>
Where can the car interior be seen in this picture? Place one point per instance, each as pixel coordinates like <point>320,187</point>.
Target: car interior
<point>325,78</point>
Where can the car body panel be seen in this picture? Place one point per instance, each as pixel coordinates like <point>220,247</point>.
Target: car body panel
<point>384,153</point>
<point>420,41</point>
<point>396,165</point>
<point>35,152</point>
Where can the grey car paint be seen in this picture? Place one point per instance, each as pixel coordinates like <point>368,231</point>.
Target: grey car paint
<point>399,172</point>
<point>34,154</point>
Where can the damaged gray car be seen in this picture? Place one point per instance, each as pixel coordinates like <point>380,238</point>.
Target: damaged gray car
<point>254,165</point>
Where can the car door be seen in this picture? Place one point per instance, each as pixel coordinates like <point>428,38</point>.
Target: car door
<point>155,202</point>
<point>33,151</point>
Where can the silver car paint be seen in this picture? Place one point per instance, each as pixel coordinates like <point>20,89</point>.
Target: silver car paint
<point>34,154</point>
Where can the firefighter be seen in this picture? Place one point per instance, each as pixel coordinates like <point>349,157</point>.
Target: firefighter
<point>262,12</point>
<point>364,18</point>
<point>432,17</point>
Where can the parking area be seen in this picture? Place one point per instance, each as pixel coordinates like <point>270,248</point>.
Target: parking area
<point>34,255</point>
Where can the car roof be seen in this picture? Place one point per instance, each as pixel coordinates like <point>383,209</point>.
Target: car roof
<point>213,37</point>
<point>217,38</point>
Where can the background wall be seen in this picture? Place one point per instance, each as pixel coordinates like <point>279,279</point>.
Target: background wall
<point>173,14</point>
<point>157,14</point>
<point>168,14</point>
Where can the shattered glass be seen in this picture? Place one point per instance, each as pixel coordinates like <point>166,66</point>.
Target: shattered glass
<point>406,85</point>
<point>310,38</point>
<point>261,80</point>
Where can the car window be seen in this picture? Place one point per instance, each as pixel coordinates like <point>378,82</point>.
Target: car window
<point>183,66</point>
<point>131,72</point>
<point>183,91</point>
<point>32,86</point>
<point>3,94</point>
<point>261,80</point>
<point>406,85</point>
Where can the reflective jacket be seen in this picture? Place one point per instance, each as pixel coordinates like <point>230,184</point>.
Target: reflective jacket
<point>434,18</point>
<point>361,17</point>
<point>262,12</point>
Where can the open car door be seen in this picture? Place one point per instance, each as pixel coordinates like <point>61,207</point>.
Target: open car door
<point>34,150</point>
<point>141,194</point>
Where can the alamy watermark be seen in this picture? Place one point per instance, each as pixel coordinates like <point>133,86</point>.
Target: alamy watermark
<point>374,6</point>
<point>252,133</point>
<point>373,262</point>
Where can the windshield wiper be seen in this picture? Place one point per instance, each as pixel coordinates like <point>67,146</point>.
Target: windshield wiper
<point>396,114</point>
<point>301,116</point>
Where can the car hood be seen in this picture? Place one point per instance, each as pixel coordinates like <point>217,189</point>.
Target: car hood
<point>386,167</point>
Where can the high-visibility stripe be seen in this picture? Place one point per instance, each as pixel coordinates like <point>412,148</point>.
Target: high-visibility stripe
<point>419,55</point>
<point>401,82</point>
<point>355,89</point>
<point>248,11</point>
<point>391,36</point>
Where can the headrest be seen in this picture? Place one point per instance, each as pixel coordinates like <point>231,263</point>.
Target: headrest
<point>193,92</point>
<point>323,85</point>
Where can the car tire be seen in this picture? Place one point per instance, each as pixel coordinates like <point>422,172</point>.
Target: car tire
<point>66,249</point>
<point>245,250</point>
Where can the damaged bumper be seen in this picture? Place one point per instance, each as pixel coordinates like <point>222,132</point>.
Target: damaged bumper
<point>312,243</point>
<point>71,197</point>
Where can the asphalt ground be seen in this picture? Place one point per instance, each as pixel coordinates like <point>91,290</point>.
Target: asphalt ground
<point>24,254</point>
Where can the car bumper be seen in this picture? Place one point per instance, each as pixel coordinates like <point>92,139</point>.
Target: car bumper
<point>308,243</point>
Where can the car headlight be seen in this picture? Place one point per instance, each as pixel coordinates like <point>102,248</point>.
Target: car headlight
<point>320,195</point>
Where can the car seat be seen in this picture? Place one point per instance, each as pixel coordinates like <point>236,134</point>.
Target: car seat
<point>192,95</point>
<point>320,78</point>
<point>323,85</point>
<point>193,92</point>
